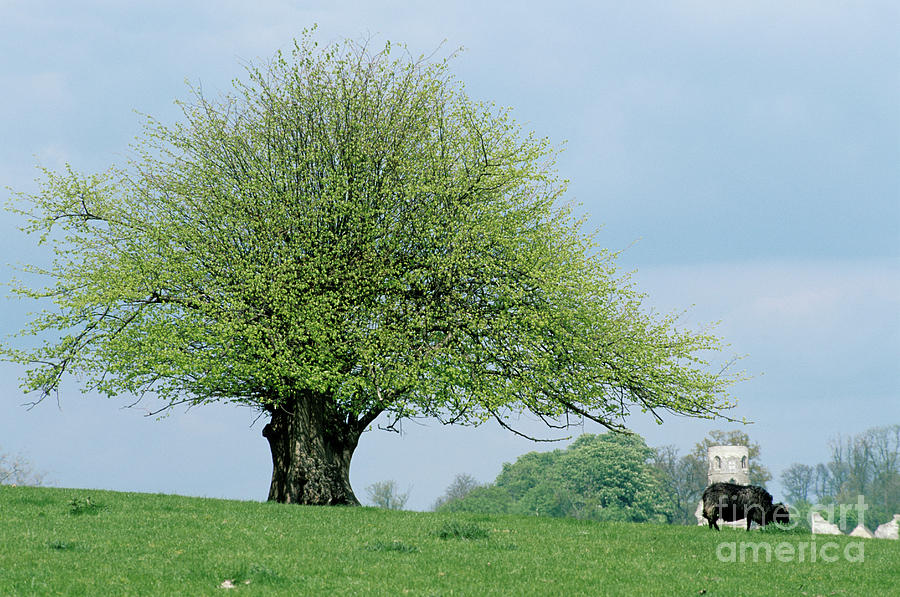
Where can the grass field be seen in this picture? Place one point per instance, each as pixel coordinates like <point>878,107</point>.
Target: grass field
<point>86,542</point>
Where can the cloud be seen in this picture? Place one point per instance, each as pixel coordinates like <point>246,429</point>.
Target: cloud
<point>54,156</point>
<point>794,301</point>
<point>818,337</point>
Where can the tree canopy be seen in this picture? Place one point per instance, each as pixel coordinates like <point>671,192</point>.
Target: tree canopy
<point>346,234</point>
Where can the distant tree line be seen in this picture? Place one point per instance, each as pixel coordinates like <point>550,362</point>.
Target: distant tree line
<point>866,464</point>
<point>603,477</point>
<point>618,477</point>
<point>600,477</point>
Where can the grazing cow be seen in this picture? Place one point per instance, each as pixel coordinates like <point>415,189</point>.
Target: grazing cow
<point>731,502</point>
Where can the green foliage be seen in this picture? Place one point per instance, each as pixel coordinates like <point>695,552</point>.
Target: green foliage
<point>387,495</point>
<point>598,477</point>
<point>171,545</point>
<point>547,498</point>
<point>347,223</point>
<point>487,499</point>
<point>684,479</point>
<point>525,473</point>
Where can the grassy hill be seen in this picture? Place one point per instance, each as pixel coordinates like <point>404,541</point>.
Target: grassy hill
<point>86,542</point>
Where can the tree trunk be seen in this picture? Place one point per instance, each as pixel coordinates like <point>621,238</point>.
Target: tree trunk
<point>311,448</point>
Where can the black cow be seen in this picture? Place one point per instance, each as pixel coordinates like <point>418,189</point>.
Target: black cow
<point>731,502</point>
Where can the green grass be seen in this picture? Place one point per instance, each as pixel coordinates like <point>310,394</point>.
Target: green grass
<point>85,542</point>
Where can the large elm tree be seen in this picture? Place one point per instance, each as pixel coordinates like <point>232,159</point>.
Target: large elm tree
<point>346,235</point>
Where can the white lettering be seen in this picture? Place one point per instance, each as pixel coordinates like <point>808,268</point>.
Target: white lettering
<point>860,549</point>
<point>784,552</point>
<point>825,557</point>
<point>732,552</point>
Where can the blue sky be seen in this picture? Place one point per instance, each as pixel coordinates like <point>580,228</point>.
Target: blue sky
<point>744,156</point>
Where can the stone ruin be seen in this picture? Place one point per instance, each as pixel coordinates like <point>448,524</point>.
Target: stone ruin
<point>731,464</point>
<point>820,526</point>
<point>862,531</point>
<point>726,464</point>
<point>890,529</point>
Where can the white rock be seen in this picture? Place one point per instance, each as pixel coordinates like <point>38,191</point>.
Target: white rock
<point>820,526</point>
<point>227,584</point>
<point>701,521</point>
<point>862,531</point>
<point>698,513</point>
<point>890,529</point>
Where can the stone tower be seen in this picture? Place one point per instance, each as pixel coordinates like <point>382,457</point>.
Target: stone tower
<point>728,464</point>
